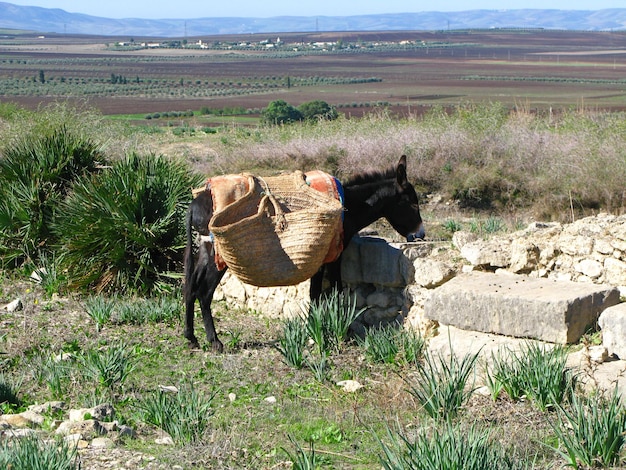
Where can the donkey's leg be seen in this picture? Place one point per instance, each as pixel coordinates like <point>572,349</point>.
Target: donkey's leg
<point>213,277</point>
<point>334,274</point>
<point>315,286</point>
<point>190,291</point>
<point>195,280</point>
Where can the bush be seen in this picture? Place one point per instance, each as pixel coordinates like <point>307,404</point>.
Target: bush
<point>35,174</point>
<point>316,110</point>
<point>122,230</point>
<point>280,112</point>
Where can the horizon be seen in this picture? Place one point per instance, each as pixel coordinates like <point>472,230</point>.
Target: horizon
<point>147,9</point>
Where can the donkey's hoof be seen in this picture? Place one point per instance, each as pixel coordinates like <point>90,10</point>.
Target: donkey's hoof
<point>217,346</point>
<point>193,343</point>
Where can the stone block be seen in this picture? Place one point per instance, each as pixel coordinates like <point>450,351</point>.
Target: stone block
<point>612,322</point>
<point>373,260</point>
<point>520,306</point>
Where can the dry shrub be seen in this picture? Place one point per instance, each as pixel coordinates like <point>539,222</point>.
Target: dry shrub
<point>484,155</point>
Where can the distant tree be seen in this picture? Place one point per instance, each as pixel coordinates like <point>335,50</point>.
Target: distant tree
<point>316,110</point>
<point>42,76</point>
<point>280,112</point>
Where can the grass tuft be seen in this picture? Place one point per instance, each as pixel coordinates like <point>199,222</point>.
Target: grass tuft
<point>592,431</point>
<point>184,415</point>
<point>537,372</point>
<point>441,386</point>
<point>32,453</point>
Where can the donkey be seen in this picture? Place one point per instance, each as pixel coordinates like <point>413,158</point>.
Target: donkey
<point>367,198</point>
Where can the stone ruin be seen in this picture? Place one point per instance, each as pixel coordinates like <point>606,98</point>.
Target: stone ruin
<point>550,282</point>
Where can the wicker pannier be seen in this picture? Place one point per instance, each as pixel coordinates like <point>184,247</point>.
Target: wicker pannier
<point>278,233</point>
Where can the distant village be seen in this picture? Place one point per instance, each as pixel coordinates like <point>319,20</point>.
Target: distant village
<point>270,44</point>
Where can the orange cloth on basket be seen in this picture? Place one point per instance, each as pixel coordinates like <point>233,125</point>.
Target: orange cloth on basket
<point>227,189</point>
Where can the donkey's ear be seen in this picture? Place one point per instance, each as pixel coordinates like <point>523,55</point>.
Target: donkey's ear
<point>401,171</point>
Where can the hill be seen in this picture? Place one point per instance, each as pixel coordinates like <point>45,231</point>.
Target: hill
<point>54,20</point>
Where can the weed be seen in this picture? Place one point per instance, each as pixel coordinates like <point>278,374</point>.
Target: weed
<point>234,338</point>
<point>381,344</point>
<point>108,367</point>
<point>538,372</point>
<point>452,226</point>
<point>55,373</point>
<point>31,453</point>
<point>184,415</point>
<point>329,319</point>
<point>99,308</point>
<point>49,275</point>
<point>445,448</point>
<point>139,311</point>
<point>441,385</point>
<point>9,390</point>
<point>413,344</point>
<point>493,225</point>
<point>293,341</point>
<point>300,459</point>
<point>592,431</point>
<point>320,365</point>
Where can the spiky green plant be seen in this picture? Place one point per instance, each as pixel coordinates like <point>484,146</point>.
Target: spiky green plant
<point>9,390</point>
<point>32,453</point>
<point>108,367</point>
<point>441,385</point>
<point>99,308</point>
<point>447,447</point>
<point>35,174</point>
<point>413,344</point>
<point>184,415</point>
<point>123,229</point>
<point>54,373</point>
<point>329,318</point>
<point>292,343</point>
<point>381,344</point>
<point>537,371</point>
<point>301,459</point>
<point>592,431</point>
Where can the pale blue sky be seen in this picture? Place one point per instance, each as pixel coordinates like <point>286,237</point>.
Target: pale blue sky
<point>190,9</point>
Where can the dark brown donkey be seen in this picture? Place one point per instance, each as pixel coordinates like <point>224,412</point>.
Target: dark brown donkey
<point>367,198</point>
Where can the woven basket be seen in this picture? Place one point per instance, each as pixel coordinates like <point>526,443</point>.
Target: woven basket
<point>278,233</point>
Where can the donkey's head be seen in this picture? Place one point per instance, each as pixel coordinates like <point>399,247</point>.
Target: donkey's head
<point>400,205</point>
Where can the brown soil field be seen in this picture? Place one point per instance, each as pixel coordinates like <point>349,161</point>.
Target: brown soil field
<point>537,69</point>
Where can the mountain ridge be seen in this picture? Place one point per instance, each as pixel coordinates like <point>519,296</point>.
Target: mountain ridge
<point>55,20</point>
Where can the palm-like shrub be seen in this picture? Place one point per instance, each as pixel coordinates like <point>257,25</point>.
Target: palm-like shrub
<point>35,174</point>
<point>122,230</point>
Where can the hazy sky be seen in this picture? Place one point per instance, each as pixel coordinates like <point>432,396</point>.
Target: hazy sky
<point>258,8</point>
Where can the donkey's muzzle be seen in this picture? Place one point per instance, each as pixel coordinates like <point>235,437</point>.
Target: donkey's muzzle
<point>419,234</point>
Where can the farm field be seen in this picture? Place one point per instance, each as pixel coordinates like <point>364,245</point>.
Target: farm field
<point>408,72</point>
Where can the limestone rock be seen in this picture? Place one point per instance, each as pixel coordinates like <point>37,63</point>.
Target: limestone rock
<point>520,306</point>
<point>612,323</point>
